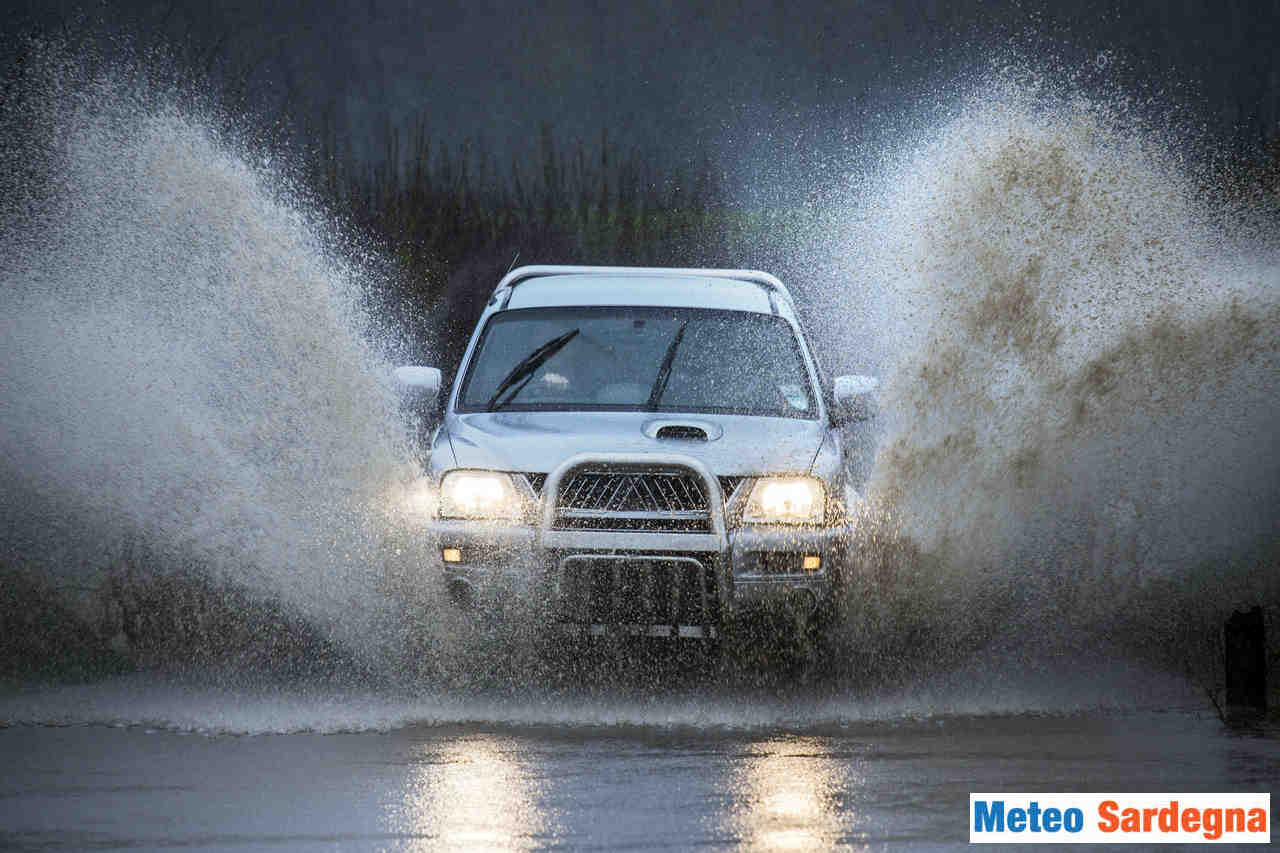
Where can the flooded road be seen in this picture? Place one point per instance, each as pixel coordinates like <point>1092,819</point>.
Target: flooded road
<point>888,784</point>
<point>205,468</point>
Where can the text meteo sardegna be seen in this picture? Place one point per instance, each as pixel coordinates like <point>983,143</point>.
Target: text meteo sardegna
<point>1116,819</point>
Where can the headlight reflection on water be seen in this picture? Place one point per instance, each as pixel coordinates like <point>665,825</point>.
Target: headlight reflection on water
<point>789,797</point>
<point>475,795</point>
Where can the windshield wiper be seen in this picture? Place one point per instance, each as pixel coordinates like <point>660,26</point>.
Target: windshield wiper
<point>522,373</point>
<point>664,372</point>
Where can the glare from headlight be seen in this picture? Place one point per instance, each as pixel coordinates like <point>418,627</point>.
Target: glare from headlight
<point>420,498</point>
<point>786,500</point>
<point>478,494</point>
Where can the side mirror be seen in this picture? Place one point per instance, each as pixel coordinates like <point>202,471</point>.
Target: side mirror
<point>420,386</point>
<point>855,398</point>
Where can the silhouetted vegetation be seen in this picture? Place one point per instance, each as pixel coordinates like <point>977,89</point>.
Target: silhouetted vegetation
<point>453,219</point>
<point>42,638</point>
<point>174,612</point>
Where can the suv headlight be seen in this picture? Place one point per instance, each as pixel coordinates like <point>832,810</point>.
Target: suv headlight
<point>479,494</point>
<point>786,500</point>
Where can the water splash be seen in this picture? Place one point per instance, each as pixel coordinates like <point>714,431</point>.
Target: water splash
<point>185,363</point>
<point>1081,397</point>
<point>1080,401</point>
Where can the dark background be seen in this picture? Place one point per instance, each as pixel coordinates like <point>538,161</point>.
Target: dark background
<point>689,133</point>
<point>749,81</point>
<point>435,142</point>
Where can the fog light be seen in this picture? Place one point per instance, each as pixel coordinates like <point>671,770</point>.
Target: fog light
<point>811,563</point>
<point>454,555</point>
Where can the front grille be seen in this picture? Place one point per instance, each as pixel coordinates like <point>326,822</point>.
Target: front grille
<point>638,590</point>
<point>727,484</point>
<point>650,501</point>
<point>633,491</point>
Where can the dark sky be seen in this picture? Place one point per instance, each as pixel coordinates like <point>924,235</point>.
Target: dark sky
<point>769,81</point>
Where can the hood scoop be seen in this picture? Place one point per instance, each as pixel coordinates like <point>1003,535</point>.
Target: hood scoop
<point>682,430</point>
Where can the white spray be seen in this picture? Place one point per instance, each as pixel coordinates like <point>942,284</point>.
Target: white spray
<point>1083,371</point>
<point>184,360</point>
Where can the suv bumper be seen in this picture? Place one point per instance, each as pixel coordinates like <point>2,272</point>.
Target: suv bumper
<point>741,567</point>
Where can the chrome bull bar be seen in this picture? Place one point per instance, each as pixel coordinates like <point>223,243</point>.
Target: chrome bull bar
<point>610,551</point>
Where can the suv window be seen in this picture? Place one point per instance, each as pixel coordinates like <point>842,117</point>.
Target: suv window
<point>638,359</point>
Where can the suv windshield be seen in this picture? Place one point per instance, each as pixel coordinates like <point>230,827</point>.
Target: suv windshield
<point>643,358</point>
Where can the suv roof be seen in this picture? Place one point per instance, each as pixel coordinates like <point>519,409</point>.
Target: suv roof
<point>741,290</point>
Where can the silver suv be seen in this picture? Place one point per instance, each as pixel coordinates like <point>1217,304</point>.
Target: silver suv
<point>645,450</point>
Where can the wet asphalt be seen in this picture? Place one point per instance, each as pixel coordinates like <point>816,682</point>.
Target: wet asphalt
<point>882,785</point>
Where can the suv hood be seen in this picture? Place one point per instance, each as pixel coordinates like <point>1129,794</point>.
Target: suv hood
<point>539,441</point>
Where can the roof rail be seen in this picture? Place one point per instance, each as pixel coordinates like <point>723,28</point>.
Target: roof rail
<point>768,283</point>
